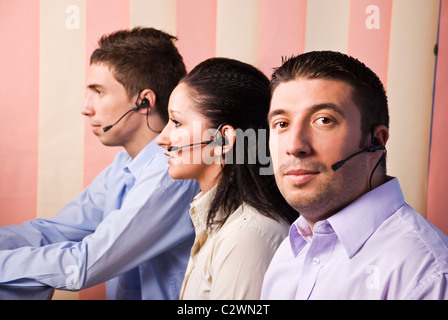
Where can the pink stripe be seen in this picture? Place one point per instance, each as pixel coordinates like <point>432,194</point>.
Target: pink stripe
<point>196,30</point>
<point>19,91</point>
<point>437,200</point>
<point>369,33</point>
<point>282,32</point>
<point>103,17</point>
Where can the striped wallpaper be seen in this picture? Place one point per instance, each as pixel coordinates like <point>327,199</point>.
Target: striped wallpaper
<point>48,155</point>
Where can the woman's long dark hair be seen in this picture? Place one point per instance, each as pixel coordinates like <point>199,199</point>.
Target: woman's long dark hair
<point>228,91</point>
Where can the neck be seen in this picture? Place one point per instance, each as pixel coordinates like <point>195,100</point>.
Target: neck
<point>209,177</point>
<point>144,135</point>
<point>133,148</point>
<point>377,180</point>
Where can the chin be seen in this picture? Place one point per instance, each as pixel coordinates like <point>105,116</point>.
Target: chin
<point>105,142</point>
<point>109,143</point>
<point>177,173</point>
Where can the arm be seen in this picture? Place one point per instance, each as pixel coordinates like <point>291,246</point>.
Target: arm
<point>433,287</point>
<point>74,221</point>
<point>152,219</point>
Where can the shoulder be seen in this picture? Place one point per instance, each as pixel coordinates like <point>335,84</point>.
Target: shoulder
<point>414,253</point>
<point>121,159</point>
<point>248,227</point>
<point>253,219</point>
<point>112,173</point>
<point>427,238</point>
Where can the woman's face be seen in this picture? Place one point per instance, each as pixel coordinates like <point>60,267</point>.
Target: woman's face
<point>187,126</point>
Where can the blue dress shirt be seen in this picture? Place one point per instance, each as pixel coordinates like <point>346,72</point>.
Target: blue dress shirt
<point>131,227</point>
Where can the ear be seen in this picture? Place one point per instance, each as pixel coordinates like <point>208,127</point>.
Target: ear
<point>381,135</point>
<point>150,96</point>
<point>228,133</point>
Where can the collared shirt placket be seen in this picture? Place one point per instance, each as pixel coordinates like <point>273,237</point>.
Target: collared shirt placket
<point>318,253</point>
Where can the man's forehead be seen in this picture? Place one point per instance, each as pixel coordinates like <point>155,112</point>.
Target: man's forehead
<point>101,74</point>
<point>310,93</point>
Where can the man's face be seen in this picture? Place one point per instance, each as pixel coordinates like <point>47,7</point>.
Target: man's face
<point>106,101</point>
<point>314,124</point>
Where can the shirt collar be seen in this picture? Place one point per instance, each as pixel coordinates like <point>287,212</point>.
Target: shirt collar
<point>136,166</point>
<point>355,223</point>
<point>298,240</point>
<point>199,208</point>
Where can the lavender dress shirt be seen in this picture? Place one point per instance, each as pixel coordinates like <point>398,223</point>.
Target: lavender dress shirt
<point>377,247</point>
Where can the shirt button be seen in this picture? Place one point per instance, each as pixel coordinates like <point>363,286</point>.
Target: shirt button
<point>316,261</point>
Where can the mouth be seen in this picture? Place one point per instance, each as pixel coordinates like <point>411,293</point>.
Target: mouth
<point>300,176</point>
<point>171,159</point>
<point>168,153</point>
<point>95,126</point>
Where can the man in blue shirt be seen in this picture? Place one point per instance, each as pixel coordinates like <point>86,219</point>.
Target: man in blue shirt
<point>131,226</point>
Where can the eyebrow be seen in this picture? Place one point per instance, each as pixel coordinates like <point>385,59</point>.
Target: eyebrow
<point>274,113</point>
<point>317,107</point>
<point>175,111</point>
<point>94,86</point>
<point>313,109</point>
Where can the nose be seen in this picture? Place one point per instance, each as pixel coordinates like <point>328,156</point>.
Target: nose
<point>298,142</point>
<point>164,137</point>
<point>88,109</point>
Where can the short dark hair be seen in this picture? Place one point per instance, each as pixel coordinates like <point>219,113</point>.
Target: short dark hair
<point>143,58</point>
<point>368,91</point>
<point>228,91</point>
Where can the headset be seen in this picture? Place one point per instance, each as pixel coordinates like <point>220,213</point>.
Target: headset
<point>372,148</point>
<point>143,104</point>
<point>218,141</point>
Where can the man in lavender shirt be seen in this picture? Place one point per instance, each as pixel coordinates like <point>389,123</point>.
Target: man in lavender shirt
<point>356,237</point>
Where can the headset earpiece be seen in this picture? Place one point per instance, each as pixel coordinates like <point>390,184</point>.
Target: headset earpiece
<point>223,141</point>
<point>375,146</point>
<point>144,104</point>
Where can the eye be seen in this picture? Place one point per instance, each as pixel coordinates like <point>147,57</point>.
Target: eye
<point>280,125</point>
<point>324,121</point>
<point>176,123</point>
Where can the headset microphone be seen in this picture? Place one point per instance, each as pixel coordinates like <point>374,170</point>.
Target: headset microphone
<point>144,104</point>
<point>373,148</point>
<point>220,142</point>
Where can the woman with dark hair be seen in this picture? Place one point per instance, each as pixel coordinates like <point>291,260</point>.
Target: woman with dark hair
<point>217,134</point>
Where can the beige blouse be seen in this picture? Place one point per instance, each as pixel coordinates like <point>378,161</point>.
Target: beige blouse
<point>230,262</point>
